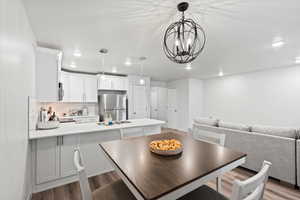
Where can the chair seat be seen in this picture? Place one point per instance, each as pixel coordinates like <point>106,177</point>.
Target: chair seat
<point>114,191</point>
<point>203,193</point>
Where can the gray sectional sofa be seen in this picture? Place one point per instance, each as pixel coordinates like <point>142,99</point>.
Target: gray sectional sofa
<point>277,145</point>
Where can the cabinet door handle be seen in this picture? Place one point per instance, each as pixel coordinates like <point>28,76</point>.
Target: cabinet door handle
<point>57,141</point>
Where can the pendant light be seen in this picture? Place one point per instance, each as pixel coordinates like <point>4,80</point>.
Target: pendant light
<point>142,80</point>
<point>184,40</point>
<point>103,52</point>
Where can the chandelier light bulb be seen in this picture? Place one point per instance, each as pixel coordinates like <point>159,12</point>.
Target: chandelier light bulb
<point>177,42</point>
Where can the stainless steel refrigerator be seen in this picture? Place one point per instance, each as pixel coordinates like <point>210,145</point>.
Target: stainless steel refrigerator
<point>114,103</point>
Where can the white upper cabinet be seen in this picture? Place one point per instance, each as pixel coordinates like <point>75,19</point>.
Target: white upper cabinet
<point>65,80</point>
<point>76,88</point>
<point>48,65</point>
<point>79,87</point>
<point>106,82</point>
<point>90,88</point>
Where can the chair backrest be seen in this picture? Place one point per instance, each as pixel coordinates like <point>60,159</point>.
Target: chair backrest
<point>86,192</point>
<point>252,188</point>
<point>208,136</point>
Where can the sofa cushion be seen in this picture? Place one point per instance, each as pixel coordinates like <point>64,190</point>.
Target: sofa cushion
<point>235,126</point>
<point>277,131</point>
<point>207,121</point>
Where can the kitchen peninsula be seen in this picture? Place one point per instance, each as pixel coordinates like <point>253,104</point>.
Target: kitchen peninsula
<point>52,150</point>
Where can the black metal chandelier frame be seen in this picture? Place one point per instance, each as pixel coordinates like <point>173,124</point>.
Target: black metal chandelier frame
<point>181,51</point>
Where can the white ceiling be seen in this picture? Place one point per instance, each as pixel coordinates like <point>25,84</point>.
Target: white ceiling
<point>239,34</point>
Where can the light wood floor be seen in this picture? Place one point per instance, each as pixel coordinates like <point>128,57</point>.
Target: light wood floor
<point>275,190</point>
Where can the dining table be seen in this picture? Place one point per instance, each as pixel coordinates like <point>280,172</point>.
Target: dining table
<point>154,177</point>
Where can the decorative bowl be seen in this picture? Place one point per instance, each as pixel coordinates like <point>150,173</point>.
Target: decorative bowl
<point>167,147</point>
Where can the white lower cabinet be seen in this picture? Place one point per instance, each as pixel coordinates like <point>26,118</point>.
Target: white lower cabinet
<point>47,160</point>
<point>53,157</point>
<point>67,146</point>
<point>152,130</point>
<point>132,132</point>
<point>93,157</point>
<point>140,131</point>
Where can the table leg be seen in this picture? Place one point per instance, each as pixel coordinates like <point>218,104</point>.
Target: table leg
<point>219,184</point>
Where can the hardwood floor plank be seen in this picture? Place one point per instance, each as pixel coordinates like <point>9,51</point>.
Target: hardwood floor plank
<point>275,190</point>
<point>74,191</point>
<point>59,193</point>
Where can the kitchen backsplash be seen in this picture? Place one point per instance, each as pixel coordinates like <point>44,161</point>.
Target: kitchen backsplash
<point>61,107</point>
<point>58,107</point>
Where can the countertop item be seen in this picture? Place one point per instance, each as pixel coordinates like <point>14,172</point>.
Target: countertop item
<point>152,177</point>
<point>48,125</point>
<point>75,128</point>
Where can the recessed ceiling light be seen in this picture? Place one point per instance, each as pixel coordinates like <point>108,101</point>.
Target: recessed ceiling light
<point>188,66</point>
<point>221,73</point>
<point>297,60</point>
<point>142,81</point>
<point>114,70</point>
<point>77,53</point>
<point>128,62</point>
<point>73,65</point>
<point>278,42</point>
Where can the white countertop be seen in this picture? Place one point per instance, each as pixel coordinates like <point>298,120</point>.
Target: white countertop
<point>73,128</point>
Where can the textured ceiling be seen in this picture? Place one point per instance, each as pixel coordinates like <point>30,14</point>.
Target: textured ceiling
<point>240,34</point>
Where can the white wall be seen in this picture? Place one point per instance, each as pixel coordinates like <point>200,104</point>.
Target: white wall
<point>269,97</point>
<point>17,63</point>
<point>158,84</point>
<point>195,100</point>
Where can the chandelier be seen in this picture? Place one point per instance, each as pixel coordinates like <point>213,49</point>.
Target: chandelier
<point>184,40</point>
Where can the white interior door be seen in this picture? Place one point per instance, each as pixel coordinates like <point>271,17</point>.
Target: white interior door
<point>162,103</point>
<point>139,102</point>
<point>154,103</point>
<point>172,109</point>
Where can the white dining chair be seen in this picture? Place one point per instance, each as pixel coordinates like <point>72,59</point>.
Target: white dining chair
<point>211,137</point>
<point>250,189</point>
<point>116,190</point>
<point>208,136</point>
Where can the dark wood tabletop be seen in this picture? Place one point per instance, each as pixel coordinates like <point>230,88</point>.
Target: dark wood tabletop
<point>153,175</point>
